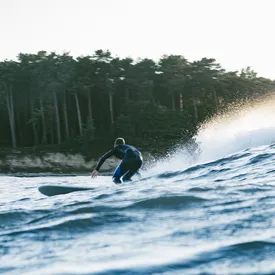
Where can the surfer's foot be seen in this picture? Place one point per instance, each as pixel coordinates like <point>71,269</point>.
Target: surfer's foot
<point>116,180</point>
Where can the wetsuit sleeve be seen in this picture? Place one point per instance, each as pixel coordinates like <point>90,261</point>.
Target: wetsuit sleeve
<point>103,158</point>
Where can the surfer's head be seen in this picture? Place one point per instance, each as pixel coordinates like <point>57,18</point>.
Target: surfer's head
<point>119,141</point>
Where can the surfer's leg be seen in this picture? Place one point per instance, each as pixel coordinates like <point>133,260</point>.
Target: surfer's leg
<point>134,167</point>
<point>119,172</point>
<point>117,175</point>
<point>128,175</point>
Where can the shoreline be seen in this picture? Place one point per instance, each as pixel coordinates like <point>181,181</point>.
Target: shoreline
<point>55,163</point>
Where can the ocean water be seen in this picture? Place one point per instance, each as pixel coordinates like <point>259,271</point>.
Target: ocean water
<point>204,211</point>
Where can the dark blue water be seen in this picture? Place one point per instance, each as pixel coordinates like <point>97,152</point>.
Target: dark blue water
<point>212,212</point>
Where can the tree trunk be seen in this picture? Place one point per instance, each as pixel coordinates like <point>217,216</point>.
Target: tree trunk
<point>10,106</point>
<point>153,100</point>
<point>66,118</point>
<point>58,132</point>
<point>52,133</point>
<point>181,102</point>
<point>173,102</point>
<point>44,128</point>
<point>90,106</point>
<point>78,114</point>
<point>111,109</point>
<point>127,97</point>
<point>19,129</point>
<point>33,122</point>
<point>195,108</point>
<point>216,99</point>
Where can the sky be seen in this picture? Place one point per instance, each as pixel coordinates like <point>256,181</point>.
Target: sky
<point>237,33</point>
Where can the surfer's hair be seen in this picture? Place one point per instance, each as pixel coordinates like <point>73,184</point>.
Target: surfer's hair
<point>119,141</point>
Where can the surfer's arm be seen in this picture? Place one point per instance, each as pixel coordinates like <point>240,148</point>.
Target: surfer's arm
<point>103,158</point>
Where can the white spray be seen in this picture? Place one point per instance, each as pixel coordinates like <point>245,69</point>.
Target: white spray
<point>246,126</point>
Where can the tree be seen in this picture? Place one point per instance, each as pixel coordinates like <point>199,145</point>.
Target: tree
<point>173,75</point>
<point>51,98</point>
<point>8,71</point>
<point>106,72</point>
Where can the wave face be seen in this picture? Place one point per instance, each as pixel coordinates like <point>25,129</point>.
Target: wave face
<point>203,210</point>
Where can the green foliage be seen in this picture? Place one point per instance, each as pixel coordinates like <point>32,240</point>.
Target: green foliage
<point>145,120</point>
<point>89,132</point>
<point>48,98</point>
<point>124,126</point>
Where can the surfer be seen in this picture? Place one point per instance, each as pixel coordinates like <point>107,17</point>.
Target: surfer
<point>130,164</point>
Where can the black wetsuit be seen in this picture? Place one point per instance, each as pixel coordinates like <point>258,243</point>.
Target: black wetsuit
<point>130,164</point>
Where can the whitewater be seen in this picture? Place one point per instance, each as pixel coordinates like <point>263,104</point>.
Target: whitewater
<point>204,209</point>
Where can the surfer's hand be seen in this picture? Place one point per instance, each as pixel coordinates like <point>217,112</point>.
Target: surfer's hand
<point>94,174</point>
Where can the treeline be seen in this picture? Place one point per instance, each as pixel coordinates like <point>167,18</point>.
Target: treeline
<point>46,98</point>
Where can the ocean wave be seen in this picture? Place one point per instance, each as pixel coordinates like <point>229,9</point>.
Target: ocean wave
<point>211,218</point>
<point>168,202</point>
<point>20,217</point>
<point>219,260</point>
<point>73,223</point>
<point>260,157</point>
